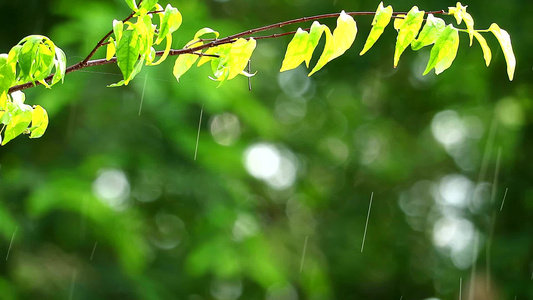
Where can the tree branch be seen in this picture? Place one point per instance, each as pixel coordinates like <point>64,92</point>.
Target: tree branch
<point>229,39</point>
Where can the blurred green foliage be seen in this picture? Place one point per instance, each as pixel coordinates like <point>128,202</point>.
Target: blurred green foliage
<point>110,203</point>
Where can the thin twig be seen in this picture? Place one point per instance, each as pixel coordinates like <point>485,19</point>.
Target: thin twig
<point>227,40</point>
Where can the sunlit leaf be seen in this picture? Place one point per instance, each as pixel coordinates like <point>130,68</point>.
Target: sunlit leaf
<point>314,36</point>
<point>381,20</point>
<point>39,122</point>
<point>60,65</point>
<point>166,52</point>
<point>326,53</point>
<point>118,28</point>
<point>170,21</point>
<point>239,55</point>
<point>148,5</point>
<point>430,32</point>
<point>128,51</point>
<point>28,54</point>
<point>407,32</point>
<point>132,4</point>
<point>444,51</point>
<point>184,62</point>
<point>398,22</point>
<point>505,42</point>
<point>111,49</point>
<point>7,74</point>
<point>337,43</point>
<point>296,51</point>
<point>460,14</point>
<point>20,119</point>
<point>205,31</point>
<point>487,54</point>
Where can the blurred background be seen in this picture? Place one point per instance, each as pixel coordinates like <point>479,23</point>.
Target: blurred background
<point>111,203</point>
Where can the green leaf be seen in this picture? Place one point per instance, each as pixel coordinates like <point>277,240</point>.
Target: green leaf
<point>148,5</point>
<point>128,51</point>
<point>39,122</point>
<point>7,74</point>
<point>296,51</point>
<point>444,51</point>
<point>28,54</point>
<point>20,119</point>
<point>336,44</point>
<point>170,21</point>
<point>118,28</point>
<point>407,32</point>
<point>60,63</point>
<point>381,20</point>
<point>430,32</point>
<point>505,42</point>
<point>487,55</point>
<point>132,4</point>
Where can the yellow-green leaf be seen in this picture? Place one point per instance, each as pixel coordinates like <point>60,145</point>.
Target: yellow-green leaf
<point>381,20</point>
<point>128,51</point>
<point>344,34</point>
<point>326,53</point>
<point>111,49</point>
<point>170,21</point>
<point>487,55</point>
<point>444,51</point>
<point>505,42</point>
<point>337,43</point>
<point>314,36</point>
<point>296,51</point>
<point>460,14</point>
<point>18,123</point>
<point>430,32</point>
<point>39,122</point>
<point>167,51</point>
<point>239,55</point>
<point>398,22</point>
<point>184,62</point>
<point>407,32</point>
<point>205,31</point>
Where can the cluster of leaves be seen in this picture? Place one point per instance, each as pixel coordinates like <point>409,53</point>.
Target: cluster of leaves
<point>444,38</point>
<point>32,60</point>
<point>133,41</point>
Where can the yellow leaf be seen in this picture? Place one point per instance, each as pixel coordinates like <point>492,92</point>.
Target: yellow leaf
<point>296,51</point>
<point>337,43</point>
<point>407,32</point>
<point>505,42</point>
<point>398,22</point>
<point>380,21</point>
<point>110,49</point>
<point>487,55</point>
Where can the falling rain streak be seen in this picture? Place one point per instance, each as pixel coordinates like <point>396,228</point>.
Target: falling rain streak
<point>503,201</point>
<point>94,248</point>
<point>142,95</point>
<point>11,243</point>
<point>198,134</point>
<point>303,254</point>
<point>366,225</point>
